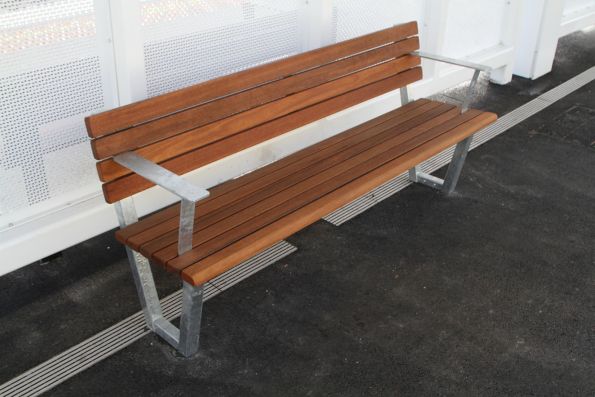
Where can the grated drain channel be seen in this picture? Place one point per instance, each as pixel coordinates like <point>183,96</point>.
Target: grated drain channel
<point>115,338</point>
<point>504,123</point>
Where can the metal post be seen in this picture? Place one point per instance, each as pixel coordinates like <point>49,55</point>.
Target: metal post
<point>404,95</point>
<point>140,267</point>
<point>456,165</point>
<point>190,319</point>
<point>186,226</point>
<point>467,101</point>
<point>413,173</point>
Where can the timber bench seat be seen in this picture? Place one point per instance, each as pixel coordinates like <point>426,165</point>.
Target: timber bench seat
<point>211,232</point>
<point>246,215</point>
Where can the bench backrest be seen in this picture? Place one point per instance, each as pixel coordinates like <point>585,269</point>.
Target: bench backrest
<point>189,128</point>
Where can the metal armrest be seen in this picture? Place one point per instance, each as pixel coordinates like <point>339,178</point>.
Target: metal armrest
<point>189,193</point>
<point>161,176</point>
<point>471,65</point>
<point>453,61</point>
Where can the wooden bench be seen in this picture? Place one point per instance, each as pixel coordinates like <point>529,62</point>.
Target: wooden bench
<point>209,232</point>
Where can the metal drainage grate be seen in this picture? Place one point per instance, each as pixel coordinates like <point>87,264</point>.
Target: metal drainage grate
<point>504,123</point>
<point>115,338</point>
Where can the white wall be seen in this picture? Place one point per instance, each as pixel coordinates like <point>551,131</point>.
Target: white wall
<point>135,49</point>
<point>543,23</point>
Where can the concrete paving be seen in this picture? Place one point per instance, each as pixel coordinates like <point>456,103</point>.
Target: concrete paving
<point>488,292</point>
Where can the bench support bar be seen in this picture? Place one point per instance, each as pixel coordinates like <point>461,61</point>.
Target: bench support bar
<point>456,165</point>
<point>185,339</point>
<point>425,179</point>
<point>449,183</point>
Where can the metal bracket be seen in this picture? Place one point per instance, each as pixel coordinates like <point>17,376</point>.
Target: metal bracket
<point>415,175</point>
<point>404,95</point>
<point>449,183</point>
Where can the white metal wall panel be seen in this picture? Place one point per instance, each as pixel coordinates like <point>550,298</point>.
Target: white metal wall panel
<point>577,15</point>
<point>51,76</point>
<point>186,42</point>
<point>572,6</point>
<point>473,26</point>
<point>355,18</point>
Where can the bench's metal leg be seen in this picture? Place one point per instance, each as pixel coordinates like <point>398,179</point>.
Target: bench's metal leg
<point>185,339</point>
<point>468,97</point>
<point>145,286</point>
<point>413,173</point>
<point>456,165</point>
<point>192,299</point>
<point>449,183</point>
<point>141,269</point>
<point>404,95</point>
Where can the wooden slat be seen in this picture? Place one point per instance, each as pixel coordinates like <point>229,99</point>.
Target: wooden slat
<point>109,170</point>
<point>230,187</point>
<point>311,189</point>
<point>131,184</point>
<point>268,177</point>
<point>289,194</point>
<point>309,169</point>
<point>222,129</point>
<point>218,109</point>
<point>123,117</point>
<point>223,260</point>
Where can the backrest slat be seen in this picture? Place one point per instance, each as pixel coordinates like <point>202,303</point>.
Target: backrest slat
<point>126,116</point>
<point>222,129</point>
<point>218,109</point>
<point>130,184</point>
<point>195,126</point>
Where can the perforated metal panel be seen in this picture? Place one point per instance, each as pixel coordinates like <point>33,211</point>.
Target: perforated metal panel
<point>354,18</point>
<point>186,42</point>
<point>50,77</point>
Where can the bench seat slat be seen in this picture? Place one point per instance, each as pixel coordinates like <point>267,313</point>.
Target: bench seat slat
<point>149,223</point>
<point>240,189</point>
<point>254,243</point>
<point>239,212</point>
<point>206,244</point>
<point>308,170</point>
<point>266,209</point>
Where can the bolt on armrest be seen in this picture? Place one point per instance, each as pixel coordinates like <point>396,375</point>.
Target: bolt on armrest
<point>188,192</point>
